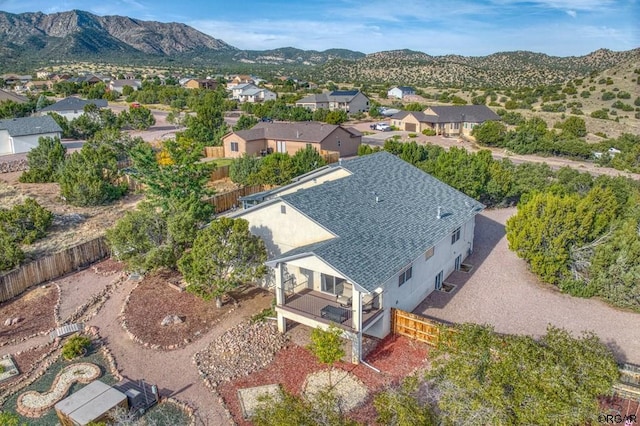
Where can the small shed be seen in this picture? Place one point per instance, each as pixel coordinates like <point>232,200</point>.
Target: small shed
<point>92,403</point>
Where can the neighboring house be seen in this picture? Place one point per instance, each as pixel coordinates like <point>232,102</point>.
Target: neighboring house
<point>35,85</point>
<point>265,138</point>
<point>400,92</point>
<point>350,101</point>
<point>72,107</point>
<point>449,120</point>
<point>15,79</point>
<point>194,83</point>
<point>352,240</point>
<point>242,79</point>
<point>6,95</point>
<point>87,78</point>
<point>119,85</point>
<point>256,95</point>
<point>247,92</point>
<point>21,134</point>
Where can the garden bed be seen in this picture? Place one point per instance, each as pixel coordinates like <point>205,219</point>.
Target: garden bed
<point>35,311</point>
<point>395,356</point>
<point>153,300</point>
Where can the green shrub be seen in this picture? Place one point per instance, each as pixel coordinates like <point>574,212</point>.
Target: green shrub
<point>607,96</point>
<point>413,135</point>
<point>75,346</point>
<point>601,114</point>
<point>429,132</point>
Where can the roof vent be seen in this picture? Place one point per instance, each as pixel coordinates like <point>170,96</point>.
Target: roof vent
<point>439,216</point>
<point>297,134</point>
<point>340,161</point>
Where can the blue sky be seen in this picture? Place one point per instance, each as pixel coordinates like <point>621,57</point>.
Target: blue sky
<point>463,27</point>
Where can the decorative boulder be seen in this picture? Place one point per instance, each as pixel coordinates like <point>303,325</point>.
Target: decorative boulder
<point>171,319</point>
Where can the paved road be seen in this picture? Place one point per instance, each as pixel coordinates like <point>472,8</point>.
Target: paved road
<point>501,291</point>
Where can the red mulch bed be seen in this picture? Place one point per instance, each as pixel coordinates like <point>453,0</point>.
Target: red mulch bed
<point>35,310</point>
<point>619,406</point>
<point>153,299</point>
<point>108,267</point>
<point>395,356</point>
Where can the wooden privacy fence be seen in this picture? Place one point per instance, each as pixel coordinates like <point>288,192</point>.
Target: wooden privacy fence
<point>220,172</point>
<point>214,151</point>
<point>415,326</point>
<point>330,156</point>
<point>229,200</point>
<point>51,267</point>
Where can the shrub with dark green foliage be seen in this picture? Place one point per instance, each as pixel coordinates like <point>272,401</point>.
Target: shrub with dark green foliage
<point>404,405</point>
<point>45,161</point>
<point>25,223</point>
<point>367,149</point>
<point>242,168</point>
<point>429,132</point>
<point>90,177</point>
<point>306,160</point>
<point>513,380</point>
<point>490,133</point>
<point>245,122</point>
<point>75,346</point>
<point>10,253</point>
<point>287,409</point>
<point>601,114</point>
<point>607,96</point>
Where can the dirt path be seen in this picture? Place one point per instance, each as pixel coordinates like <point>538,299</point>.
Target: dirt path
<point>501,291</point>
<point>172,371</point>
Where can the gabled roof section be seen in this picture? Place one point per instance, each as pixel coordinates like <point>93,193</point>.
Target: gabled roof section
<point>419,115</point>
<point>5,95</point>
<point>376,238</point>
<point>464,113</point>
<point>307,131</point>
<point>313,99</point>
<point>73,103</point>
<point>30,126</point>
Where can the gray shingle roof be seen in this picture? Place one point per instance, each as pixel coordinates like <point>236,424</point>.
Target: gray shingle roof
<point>307,131</point>
<point>471,113</point>
<point>419,115</point>
<point>10,96</point>
<point>30,126</point>
<point>377,239</point>
<point>315,98</point>
<point>74,104</point>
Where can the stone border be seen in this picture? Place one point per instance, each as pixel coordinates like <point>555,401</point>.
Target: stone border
<point>14,166</point>
<point>28,377</point>
<point>213,388</point>
<point>96,302</point>
<point>57,392</point>
<point>188,410</point>
<point>123,322</point>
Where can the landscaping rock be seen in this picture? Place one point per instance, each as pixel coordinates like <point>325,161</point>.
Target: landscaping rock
<point>15,321</point>
<point>240,351</point>
<point>171,319</point>
<point>8,321</point>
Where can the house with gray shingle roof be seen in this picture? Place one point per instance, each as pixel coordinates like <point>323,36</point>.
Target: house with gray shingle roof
<point>286,137</point>
<point>350,101</point>
<point>348,242</point>
<point>19,135</point>
<point>72,107</point>
<point>447,120</point>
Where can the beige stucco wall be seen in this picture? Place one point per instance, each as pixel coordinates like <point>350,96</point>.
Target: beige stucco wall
<point>282,232</point>
<point>250,147</point>
<point>5,143</point>
<point>343,142</point>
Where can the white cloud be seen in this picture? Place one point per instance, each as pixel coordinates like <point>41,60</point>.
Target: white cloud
<point>572,13</point>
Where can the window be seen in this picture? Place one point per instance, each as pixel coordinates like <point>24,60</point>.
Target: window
<point>281,147</point>
<point>331,284</point>
<point>283,209</point>
<point>339,143</point>
<point>439,280</point>
<point>429,253</point>
<point>455,236</point>
<point>234,146</point>
<point>405,275</point>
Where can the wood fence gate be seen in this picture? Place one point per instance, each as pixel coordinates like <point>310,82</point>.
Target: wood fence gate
<point>416,327</point>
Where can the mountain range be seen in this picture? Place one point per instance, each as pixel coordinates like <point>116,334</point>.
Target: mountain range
<point>37,39</point>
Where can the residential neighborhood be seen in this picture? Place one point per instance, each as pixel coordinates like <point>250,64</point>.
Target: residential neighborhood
<point>224,236</point>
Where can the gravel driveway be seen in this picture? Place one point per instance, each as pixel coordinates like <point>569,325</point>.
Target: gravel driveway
<point>501,291</point>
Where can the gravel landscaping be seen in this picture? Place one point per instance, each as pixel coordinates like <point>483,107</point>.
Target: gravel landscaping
<point>240,351</point>
<point>501,291</point>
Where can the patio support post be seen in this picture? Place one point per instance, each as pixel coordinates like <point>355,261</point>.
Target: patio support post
<point>356,321</point>
<point>281,320</point>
